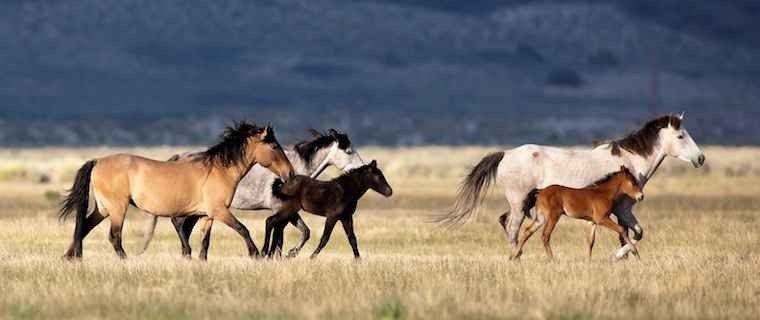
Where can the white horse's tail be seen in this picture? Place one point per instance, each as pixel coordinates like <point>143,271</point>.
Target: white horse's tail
<point>149,232</point>
<point>473,190</point>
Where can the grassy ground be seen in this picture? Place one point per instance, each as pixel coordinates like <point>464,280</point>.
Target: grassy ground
<point>700,254</point>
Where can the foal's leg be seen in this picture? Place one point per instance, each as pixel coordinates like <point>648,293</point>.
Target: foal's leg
<point>591,239</point>
<point>329,225</point>
<point>348,227</point>
<point>279,238</point>
<point>274,224</point>
<point>547,234</point>
<point>298,222</point>
<point>184,227</point>
<point>268,230</point>
<point>224,215</point>
<point>206,240</point>
<point>529,231</point>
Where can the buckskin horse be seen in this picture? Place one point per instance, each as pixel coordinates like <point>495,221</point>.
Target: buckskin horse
<point>201,185</point>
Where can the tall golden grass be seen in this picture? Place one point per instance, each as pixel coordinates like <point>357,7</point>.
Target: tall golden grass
<point>700,253</point>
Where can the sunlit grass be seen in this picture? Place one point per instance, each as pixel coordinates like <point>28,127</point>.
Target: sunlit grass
<point>700,256</point>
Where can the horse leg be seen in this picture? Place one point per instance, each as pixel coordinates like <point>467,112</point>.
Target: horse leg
<point>329,225</point>
<point>117,215</point>
<point>75,250</point>
<point>268,229</point>
<point>547,234</point>
<point>607,222</point>
<point>348,227</point>
<point>184,227</point>
<point>298,222</point>
<point>591,239</point>
<point>279,238</point>
<point>206,240</point>
<point>623,211</point>
<point>527,233</point>
<point>503,220</point>
<point>225,216</point>
<point>515,221</point>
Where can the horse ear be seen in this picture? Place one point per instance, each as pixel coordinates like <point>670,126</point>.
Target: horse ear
<point>373,164</point>
<point>680,116</point>
<point>333,132</point>
<point>267,133</point>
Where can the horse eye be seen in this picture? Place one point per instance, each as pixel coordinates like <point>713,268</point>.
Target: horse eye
<point>680,136</point>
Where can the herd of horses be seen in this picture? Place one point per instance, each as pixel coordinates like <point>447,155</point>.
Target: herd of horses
<point>249,170</point>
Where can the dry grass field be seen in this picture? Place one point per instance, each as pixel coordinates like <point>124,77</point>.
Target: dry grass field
<point>700,253</point>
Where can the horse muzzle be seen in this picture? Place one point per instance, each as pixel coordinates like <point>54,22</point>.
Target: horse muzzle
<point>700,161</point>
<point>388,192</point>
<point>286,176</point>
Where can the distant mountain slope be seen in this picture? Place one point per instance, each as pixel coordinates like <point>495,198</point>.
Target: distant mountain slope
<point>391,71</point>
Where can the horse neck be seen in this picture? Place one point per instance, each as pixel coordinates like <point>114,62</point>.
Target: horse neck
<point>317,163</point>
<point>352,185</point>
<point>240,169</point>
<point>644,167</point>
<point>299,164</point>
<point>611,188</point>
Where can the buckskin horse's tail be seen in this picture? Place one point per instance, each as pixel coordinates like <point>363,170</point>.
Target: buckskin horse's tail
<point>78,200</point>
<point>473,190</point>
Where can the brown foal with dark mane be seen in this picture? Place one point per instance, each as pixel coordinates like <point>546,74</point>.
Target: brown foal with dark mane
<point>202,185</point>
<point>593,203</point>
<point>336,200</point>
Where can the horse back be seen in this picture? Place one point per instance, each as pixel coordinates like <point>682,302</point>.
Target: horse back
<point>578,203</point>
<point>322,197</point>
<point>158,187</point>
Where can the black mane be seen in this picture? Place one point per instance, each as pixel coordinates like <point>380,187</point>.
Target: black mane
<point>352,174</point>
<point>230,149</point>
<point>642,141</point>
<point>307,149</point>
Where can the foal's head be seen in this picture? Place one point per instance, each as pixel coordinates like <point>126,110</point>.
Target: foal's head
<point>628,184</point>
<point>371,175</point>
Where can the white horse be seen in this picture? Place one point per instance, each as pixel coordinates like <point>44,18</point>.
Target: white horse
<point>254,192</point>
<point>530,167</point>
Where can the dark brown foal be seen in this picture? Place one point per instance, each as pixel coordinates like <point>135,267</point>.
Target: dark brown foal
<point>335,200</point>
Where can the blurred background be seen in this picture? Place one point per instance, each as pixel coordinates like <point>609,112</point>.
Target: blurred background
<point>390,72</point>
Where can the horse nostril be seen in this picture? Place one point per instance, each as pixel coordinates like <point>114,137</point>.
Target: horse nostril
<point>701,159</point>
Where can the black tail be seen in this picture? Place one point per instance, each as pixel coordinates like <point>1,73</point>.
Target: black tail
<point>472,191</point>
<point>79,195</point>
